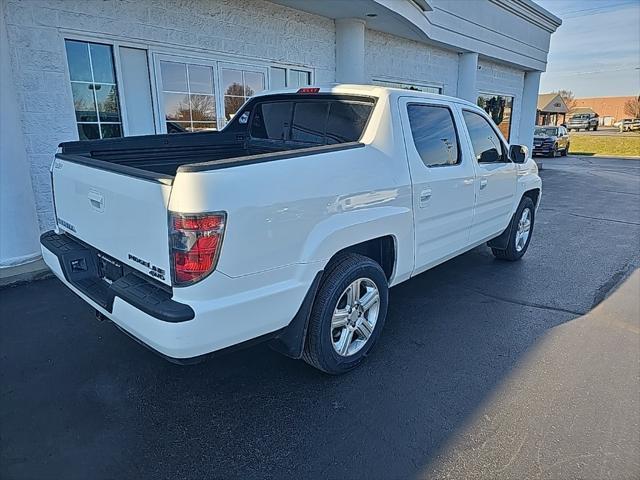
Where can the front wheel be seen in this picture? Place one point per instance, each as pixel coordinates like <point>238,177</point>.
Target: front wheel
<point>348,314</point>
<point>521,230</point>
<point>595,128</point>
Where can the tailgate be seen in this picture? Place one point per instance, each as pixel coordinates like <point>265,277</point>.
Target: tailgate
<point>121,215</point>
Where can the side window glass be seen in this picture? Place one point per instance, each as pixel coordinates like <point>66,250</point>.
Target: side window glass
<point>434,134</point>
<point>487,146</point>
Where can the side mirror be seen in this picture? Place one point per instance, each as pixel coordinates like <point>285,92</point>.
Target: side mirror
<point>489,156</point>
<point>518,153</point>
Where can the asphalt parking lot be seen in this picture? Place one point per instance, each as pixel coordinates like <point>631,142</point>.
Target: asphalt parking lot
<point>485,369</point>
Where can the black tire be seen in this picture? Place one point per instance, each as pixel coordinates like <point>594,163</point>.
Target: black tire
<point>511,253</point>
<point>554,152</point>
<point>595,128</point>
<point>319,351</point>
<point>565,151</point>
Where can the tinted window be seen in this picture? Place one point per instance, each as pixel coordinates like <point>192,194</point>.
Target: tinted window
<point>434,135</point>
<point>317,122</point>
<point>487,146</point>
<point>271,120</point>
<point>346,121</point>
<point>309,121</point>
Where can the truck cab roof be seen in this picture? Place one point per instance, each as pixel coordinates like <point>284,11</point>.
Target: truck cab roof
<point>366,90</point>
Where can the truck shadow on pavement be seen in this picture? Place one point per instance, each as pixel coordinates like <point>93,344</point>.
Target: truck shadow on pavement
<point>80,399</point>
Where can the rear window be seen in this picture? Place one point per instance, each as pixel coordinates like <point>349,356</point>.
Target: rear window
<point>311,121</point>
<point>346,121</point>
<point>271,120</point>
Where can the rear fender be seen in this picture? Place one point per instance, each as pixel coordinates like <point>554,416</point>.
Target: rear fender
<point>345,229</point>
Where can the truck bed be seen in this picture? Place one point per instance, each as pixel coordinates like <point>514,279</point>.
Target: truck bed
<point>163,154</point>
<point>160,156</point>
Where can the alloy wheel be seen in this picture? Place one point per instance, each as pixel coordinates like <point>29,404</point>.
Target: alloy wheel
<point>355,316</point>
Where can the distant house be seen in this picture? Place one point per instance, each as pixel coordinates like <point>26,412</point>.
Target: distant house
<point>551,109</point>
<point>610,109</point>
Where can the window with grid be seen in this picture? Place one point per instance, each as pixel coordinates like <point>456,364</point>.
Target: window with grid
<point>189,97</point>
<point>94,88</point>
<point>237,86</point>
<point>281,77</point>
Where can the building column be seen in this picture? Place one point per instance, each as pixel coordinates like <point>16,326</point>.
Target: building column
<point>350,50</point>
<point>19,232</point>
<point>467,75</point>
<point>528,109</point>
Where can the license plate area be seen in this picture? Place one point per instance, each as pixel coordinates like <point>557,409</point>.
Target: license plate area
<point>109,269</point>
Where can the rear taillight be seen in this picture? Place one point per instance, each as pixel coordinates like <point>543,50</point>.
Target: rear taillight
<point>195,241</point>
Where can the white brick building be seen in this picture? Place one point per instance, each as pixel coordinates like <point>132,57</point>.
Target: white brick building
<point>91,68</point>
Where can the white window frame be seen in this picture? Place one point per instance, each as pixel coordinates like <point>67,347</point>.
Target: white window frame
<point>161,122</point>
<point>196,56</point>
<point>245,67</point>
<point>115,52</point>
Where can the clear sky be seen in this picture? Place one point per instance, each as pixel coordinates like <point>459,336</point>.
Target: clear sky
<point>596,50</point>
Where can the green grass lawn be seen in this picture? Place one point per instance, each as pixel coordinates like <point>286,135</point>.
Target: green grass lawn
<point>605,145</point>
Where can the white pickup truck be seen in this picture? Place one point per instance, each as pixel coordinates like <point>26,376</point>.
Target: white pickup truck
<point>288,225</point>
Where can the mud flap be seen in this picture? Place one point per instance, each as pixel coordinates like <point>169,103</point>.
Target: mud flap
<point>290,340</point>
<point>501,242</point>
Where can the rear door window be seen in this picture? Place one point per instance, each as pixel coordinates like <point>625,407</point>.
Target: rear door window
<point>434,134</point>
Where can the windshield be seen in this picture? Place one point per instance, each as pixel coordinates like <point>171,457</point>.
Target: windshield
<point>546,132</point>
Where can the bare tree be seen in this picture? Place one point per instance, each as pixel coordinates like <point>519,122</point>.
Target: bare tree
<point>569,98</point>
<point>234,98</point>
<point>632,107</point>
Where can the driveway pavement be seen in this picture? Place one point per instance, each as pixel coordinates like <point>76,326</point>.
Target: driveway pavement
<point>485,369</point>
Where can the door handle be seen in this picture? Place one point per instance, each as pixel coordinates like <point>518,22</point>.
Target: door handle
<point>96,200</point>
<point>468,181</point>
<point>425,196</point>
<point>483,183</point>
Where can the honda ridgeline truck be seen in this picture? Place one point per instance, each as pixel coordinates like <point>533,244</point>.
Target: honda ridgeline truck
<point>288,225</point>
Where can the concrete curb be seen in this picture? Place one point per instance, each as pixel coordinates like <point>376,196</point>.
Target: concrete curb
<point>26,272</point>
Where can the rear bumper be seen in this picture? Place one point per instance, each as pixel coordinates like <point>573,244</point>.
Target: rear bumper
<point>224,311</point>
<point>77,263</point>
